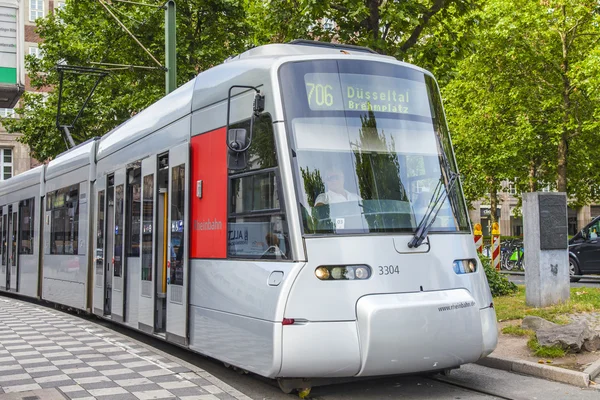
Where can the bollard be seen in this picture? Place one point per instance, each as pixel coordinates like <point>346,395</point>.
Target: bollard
<point>478,237</point>
<point>496,246</point>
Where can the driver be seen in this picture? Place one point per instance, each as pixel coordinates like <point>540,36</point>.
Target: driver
<point>335,193</point>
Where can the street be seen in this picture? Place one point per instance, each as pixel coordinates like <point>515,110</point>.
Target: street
<point>518,278</point>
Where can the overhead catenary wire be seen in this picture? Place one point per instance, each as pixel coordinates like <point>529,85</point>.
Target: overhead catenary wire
<point>139,4</point>
<point>126,66</point>
<point>102,2</point>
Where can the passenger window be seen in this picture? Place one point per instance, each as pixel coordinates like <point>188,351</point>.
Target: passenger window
<point>13,251</point>
<point>99,256</point>
<point>148,227</point>
<point>177,224</point>
<point>4,238</point>
<point>26,215</point>
<point>257,228</point>
<point>134,209</point>
<point>64,229</point>
<point>118,264</point>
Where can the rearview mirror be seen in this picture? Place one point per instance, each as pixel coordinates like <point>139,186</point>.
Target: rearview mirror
<point>237,139</point>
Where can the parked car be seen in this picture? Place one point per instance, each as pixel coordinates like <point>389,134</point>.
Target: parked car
<point>584,251</point>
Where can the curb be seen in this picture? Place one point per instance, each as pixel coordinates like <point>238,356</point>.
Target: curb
<point>575,378</point>
<point>593,370</point>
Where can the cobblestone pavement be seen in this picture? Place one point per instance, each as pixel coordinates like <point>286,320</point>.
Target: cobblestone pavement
<point>42,348</point>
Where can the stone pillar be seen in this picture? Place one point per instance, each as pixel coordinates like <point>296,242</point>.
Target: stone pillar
<point>545,241</point>
<point>505,227</point>
<point>584,216</point>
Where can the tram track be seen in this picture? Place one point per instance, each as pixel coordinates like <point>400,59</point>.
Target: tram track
<point>448,381</point>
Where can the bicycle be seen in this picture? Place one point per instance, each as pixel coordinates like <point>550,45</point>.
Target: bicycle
<point>517,257</point>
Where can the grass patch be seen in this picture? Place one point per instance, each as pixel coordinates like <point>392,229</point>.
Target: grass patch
<point>513,306</point>
<point>517,331</point>
<point>545,351</point>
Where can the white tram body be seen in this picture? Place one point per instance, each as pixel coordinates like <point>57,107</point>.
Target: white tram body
<point>266,265</point>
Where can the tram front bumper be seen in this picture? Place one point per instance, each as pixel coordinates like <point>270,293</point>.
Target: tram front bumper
<point>417,332</point>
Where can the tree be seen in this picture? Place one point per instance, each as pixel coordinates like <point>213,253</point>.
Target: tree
<point>398,28</point>
<point>83,33</point>
<point>514,104</point>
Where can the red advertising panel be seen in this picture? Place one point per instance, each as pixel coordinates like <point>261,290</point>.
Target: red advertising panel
<point>209,211</point>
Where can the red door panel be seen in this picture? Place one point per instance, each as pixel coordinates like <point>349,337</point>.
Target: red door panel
<point>208,215</point>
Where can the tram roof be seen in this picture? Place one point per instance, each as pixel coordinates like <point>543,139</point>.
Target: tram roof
<point>208,88</point>
<point>77,157</point>
<point>26,179</point>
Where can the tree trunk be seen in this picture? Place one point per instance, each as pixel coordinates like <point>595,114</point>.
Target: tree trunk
<point>563,144</point>
<point>493,201</point>
<point>532,180</point>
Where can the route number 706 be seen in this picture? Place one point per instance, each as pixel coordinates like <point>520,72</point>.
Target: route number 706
<point>320,94</point>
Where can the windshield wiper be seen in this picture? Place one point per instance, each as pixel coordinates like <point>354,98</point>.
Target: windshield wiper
<point>433,208</point>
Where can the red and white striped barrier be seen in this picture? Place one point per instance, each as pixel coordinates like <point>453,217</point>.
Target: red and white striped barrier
<point>496,246</point>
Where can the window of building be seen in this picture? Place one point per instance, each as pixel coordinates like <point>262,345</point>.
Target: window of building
<point>35,51</point>
<point>60,4</point>
<point>64,229</point>
<point>36,9</point>
<point>6,163</point>
<point>7,112</point>
<point>134,211</point>
<point>26,215</point>
<point>257,227</point>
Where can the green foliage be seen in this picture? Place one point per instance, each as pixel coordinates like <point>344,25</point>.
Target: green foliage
<point>545,351</point>
<point>522,104</point>
<point>499,285</point>
<point>517,331</point>
<point>82,33</point>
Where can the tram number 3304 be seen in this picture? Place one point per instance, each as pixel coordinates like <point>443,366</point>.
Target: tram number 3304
<point>388,269</point>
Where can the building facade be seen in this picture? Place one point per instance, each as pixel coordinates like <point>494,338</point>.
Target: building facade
<point>509,215</point>
<point>15,156</point>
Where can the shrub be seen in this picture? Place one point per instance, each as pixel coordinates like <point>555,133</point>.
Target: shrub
<point>499,284</point>
<point>545,351</point>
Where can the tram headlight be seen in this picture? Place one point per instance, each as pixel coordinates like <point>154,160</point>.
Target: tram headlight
<point>343,273</point>
<point>467,266</point>
<point>322,273</point>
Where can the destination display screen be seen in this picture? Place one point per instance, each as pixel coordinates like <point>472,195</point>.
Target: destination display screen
<point>360,92</point>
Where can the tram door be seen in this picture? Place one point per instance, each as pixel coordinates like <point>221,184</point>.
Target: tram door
<point>118,255</point>
<point>13,249</point>
<point>149,251</point>
<point>162,241</point>
<point>177,266</point>
<point>110,229</point>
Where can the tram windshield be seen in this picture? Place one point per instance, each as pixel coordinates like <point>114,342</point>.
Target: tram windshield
<point>370,148</point>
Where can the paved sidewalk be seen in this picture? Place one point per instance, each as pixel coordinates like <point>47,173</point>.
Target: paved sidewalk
<point>42,348</point>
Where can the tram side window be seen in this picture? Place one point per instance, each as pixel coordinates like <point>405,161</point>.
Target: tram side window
<point>257,228</point>
<point>2,236</point>
<point>148,227</point>
<point>4,239</point>
<point>118,264</point>
<point>64,229</point>
<point>134,211</point>
<point>26,215</point>
<point>99,256</point>
<point>177,224</point>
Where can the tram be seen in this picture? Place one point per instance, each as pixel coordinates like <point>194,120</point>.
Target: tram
<point>295,212</point>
